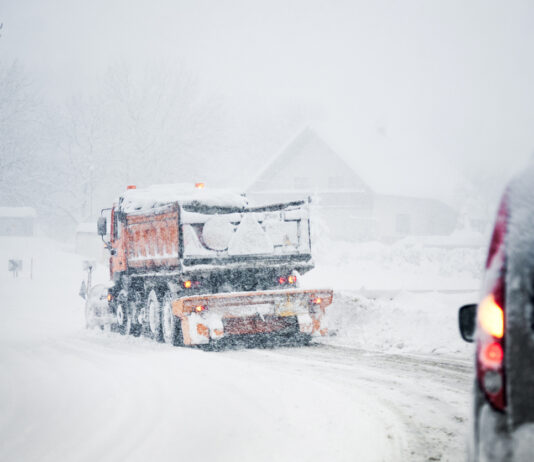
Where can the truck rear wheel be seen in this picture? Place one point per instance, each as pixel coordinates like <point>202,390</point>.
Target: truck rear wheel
<point>172,327</point>
<point>133,327</point>
<point>154,316</point>
<point>121,316</point>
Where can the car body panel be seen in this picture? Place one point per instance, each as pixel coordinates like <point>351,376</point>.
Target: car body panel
<point>519,351</point>
<point>507,435</point>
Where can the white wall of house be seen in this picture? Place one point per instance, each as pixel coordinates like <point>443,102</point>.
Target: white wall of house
<point>398,216</point>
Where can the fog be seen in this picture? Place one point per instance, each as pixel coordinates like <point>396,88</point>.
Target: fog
<point>318,330</point>
<point>419,97</point>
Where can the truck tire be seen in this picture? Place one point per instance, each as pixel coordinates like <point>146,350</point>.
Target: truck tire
<point>153,307</point>
<point>133,327</point>
<point>122,318</point>
<point>125,321</point>
<point>171,324</point>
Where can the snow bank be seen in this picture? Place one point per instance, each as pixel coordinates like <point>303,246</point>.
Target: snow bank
<point>400,298</point>
<point>413,323</point>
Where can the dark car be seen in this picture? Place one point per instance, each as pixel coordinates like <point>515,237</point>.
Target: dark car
<point>502,326</point>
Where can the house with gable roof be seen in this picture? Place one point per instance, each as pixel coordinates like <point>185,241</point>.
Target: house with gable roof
<point>341,199</point>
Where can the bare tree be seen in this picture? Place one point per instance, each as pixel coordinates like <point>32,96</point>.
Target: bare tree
<point>20,132</point>
<point>165,126</point>
<point>143,128</point>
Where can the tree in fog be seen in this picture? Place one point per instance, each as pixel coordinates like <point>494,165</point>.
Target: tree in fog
<point>20,136</point>
<point>82,149</point>
<point>273,128</point>
<point>142,128</point>
<point>168,128</point>
<point>31,171</point>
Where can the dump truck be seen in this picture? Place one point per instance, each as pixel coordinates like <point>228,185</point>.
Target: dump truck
<point>190,266</point>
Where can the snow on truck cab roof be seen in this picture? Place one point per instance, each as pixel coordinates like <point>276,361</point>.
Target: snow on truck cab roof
<point>151,197</point>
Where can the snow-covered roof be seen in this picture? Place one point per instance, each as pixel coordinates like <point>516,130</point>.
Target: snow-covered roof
<point>134,200</point>
<point>380,167</point>
<point>389,170</point>
<point>17,212</point>
<point>309,157</point>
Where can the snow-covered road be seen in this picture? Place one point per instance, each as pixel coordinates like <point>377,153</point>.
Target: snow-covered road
<point>98,396</point>
<point>68,394</point>
<point>427,395</point>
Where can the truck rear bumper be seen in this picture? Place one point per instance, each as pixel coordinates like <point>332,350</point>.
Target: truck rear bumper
<point>206,318</point>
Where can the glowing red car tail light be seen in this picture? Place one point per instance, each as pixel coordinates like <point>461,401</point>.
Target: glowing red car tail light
<point>492,354</point>
<point>491,317</point>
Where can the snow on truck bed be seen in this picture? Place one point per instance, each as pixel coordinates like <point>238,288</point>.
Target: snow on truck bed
<point>137,200</point>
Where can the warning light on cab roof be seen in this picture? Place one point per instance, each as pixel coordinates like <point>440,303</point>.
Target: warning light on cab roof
<point>199,185</point>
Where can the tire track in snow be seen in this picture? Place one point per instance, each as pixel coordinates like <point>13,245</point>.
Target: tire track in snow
<point>430,395</point>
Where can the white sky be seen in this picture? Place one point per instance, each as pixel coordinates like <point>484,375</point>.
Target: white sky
<point>422,87</point>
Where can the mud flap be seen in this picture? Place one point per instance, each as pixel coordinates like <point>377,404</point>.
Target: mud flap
<point>195,330</point>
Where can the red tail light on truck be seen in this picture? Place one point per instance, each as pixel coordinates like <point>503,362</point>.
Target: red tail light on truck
<point>291,279</point>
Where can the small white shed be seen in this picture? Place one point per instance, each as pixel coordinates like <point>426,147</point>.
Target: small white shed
<point>17,221</point>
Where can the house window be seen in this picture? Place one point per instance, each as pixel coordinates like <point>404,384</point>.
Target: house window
<point>403,223</point>
<point>302,182</point>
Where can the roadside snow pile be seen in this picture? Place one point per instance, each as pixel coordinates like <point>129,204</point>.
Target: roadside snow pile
<point>409,264</point>
<point>407,323</point>
<point>401,298</point>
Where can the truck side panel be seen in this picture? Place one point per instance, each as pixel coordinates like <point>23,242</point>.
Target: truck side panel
<point>152,241</point>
